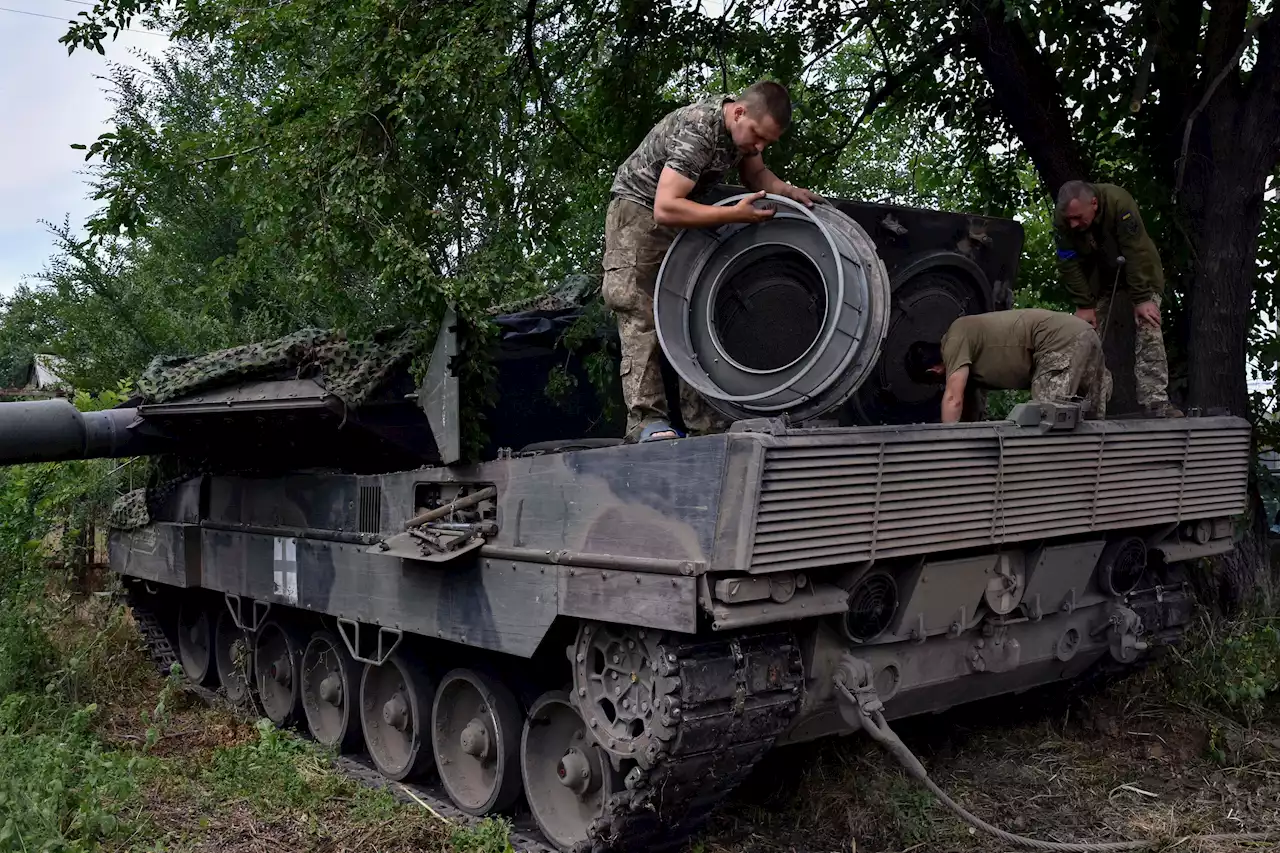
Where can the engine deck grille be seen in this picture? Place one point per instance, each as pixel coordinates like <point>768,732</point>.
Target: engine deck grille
<point>833,499</point>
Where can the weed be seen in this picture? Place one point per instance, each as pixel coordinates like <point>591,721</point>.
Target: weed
<point>59,790</point>
<point>492,835</point>
<point>1233,666</point>
<point>910,807</point>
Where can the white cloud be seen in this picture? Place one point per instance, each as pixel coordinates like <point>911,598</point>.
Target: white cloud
<point>48,100</point>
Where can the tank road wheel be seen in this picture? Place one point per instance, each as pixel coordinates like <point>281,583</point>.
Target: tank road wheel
<point>233,655</point>
<point>475,733</point>
<point>277,663</point>
<point>395,711</point>
<point>330,692</point>
<point>195,643</point>
<point>567,778</point>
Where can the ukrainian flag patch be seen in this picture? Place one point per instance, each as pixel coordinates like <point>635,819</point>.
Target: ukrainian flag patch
<point>1066,254</point>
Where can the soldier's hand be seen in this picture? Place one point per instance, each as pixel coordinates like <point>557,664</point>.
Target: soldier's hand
<point>1089,315</point>
<point>801,195</point>
<point>1148,313</point>
<point>746,211</point>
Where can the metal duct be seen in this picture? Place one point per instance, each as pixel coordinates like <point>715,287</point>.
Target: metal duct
<point>782,316</point>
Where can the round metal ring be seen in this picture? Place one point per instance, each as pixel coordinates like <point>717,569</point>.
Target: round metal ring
<point>809,378</point>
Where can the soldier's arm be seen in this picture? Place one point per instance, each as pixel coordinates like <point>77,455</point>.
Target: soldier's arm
<point>953,395</point>
<point>1071,273</point>
<point>688,152</point>
<point>673,209</point>
<point>1142,270</point>
<point>756,176</point>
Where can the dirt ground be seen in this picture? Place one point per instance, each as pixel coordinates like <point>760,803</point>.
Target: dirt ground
<point>1069,763</point>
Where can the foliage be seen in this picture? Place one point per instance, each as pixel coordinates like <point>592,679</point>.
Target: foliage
<point>490,836</point>
<point>59,789</point>
<point>1235,666</point>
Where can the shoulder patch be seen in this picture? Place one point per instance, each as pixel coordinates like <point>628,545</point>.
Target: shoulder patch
<point>1129,222</point>
<point>1066,254</point>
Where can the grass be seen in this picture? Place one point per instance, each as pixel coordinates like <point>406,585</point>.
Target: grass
<point>1068,763</point>
<point>105,755</point>
<point>98,753</point>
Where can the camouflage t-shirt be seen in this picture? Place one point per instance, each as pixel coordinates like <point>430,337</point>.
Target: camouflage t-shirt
<point>1001,347</point>
<point>692,141</point>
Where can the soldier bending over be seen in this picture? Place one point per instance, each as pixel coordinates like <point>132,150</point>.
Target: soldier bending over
<point>655,194</point>
<point>1056,355</point>
<point>1096,225</point>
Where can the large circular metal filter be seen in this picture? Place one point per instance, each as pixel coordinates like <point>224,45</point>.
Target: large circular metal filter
<point>781,316</point>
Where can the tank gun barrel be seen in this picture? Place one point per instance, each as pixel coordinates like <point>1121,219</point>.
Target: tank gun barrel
<point>56,431</point>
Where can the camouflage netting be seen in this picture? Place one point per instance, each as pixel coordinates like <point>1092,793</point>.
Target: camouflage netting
<point>130,511</point>
<point>351,370</point>
<point>354,371</point>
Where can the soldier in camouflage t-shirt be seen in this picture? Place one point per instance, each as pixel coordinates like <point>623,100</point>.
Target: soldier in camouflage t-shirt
<point>655,193</point>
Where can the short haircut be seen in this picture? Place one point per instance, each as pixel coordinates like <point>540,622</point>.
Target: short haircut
<point>921,357</point>
<point>1073,190</point>
<point>770,98</point>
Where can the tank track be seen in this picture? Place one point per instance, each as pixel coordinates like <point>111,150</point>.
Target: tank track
<point>724,703</point>
<point>159,649</point>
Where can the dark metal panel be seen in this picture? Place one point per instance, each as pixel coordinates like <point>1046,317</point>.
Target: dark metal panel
<point>183,504</point>
<point>503,606</point>
<point>161,552</point>
<point>325,502</point>
<point>660,499</point>
<point>629,598</point>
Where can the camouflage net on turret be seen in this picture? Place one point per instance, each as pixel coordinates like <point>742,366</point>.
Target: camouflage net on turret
<point>353,371</point>
<point>130,511</point>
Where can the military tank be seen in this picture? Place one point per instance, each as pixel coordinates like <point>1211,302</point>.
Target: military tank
<point>610,636</point>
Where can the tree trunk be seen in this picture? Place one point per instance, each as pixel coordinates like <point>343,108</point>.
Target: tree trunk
<point>1220,291</point>
<point>1220,203</point>
<point>1028,95</point>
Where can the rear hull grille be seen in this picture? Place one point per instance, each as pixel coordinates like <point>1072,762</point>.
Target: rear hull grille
<point>828,498</point>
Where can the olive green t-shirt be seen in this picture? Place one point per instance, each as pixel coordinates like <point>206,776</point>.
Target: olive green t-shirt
<point>1000,347</point>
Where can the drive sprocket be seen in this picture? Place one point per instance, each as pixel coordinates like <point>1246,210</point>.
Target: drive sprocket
<point>624,685</point>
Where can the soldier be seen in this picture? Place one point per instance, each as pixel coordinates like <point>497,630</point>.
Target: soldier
<point>1056,355</point>
<point>1100,234</point>
<point>655,192</point>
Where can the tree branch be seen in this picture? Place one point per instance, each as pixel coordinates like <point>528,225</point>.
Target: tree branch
<point>1226,20</point>
<point>1245,41</point>
<point>894,81</point>
<point>229,156</point>
<point>532,53</point>
<point>1028,94</point>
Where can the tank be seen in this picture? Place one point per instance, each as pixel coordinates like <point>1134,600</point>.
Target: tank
<point>607,637</point>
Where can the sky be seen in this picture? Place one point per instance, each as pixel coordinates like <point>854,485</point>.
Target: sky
<point>48,100</point>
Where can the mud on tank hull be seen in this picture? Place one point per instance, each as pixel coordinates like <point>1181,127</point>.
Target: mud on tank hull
<point>601,632</point>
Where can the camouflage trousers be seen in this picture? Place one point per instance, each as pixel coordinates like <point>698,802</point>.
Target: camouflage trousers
<point>1077,371</point>
<point>634,246</point>
<point>1150,365</point>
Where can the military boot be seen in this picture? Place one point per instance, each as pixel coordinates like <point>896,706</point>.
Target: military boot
<point>1163,409</point>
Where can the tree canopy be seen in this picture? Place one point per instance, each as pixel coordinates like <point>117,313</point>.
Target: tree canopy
<point>358,163</point>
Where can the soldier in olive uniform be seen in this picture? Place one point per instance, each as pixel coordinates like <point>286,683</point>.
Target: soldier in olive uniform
<point>1096,226</point>
<point>655,193</point>
<point>1056,356</point>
